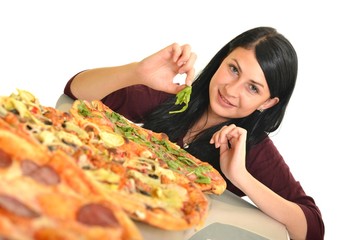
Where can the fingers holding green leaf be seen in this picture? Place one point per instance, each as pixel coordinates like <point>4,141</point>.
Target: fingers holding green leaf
<point>183,98</point>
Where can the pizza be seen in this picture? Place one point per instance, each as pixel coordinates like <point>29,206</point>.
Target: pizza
<point>45,195</point>
<point>150,178</point>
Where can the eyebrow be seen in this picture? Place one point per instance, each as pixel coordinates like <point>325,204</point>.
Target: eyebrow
<point>251,80</point>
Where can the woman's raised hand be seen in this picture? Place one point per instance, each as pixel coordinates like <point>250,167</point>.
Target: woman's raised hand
<point>159,69</point>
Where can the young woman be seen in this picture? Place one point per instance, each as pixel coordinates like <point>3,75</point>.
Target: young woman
<point>237,100</point>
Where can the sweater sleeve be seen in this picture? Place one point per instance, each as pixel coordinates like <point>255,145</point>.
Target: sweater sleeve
<point>67,89</point>
<point>266,164</point>
<point>133,102</point>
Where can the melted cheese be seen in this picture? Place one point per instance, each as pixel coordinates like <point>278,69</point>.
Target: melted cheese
<point>149,165</point>
<point>108,178</point>
<point>69,138</point>
<point>162,195</point>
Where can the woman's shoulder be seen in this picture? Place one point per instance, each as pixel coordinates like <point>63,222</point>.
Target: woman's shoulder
<point>264,146</point>
<point>263,160</point>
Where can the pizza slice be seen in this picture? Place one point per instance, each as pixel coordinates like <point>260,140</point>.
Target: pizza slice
<point>45,195</point>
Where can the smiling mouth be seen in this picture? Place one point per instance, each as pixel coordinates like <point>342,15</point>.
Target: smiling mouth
<point>224,100</point>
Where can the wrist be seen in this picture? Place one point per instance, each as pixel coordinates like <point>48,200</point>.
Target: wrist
<point>128,75</point>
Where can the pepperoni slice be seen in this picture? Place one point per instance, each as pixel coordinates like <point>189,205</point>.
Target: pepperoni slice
<point>5,159</point>
<point>42,174</point>
<point>94,214</point>
<point>16,207</point>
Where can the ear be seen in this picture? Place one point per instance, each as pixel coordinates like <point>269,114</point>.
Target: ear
<point>269,103</point>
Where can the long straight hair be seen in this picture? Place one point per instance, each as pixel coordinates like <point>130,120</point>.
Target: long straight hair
<point>278,60</point>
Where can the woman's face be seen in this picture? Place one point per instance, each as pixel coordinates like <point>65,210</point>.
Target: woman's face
<point>238,87</point>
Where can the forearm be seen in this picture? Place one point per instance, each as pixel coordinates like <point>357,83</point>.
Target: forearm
<point>95,84</point>
<point>282,210</point>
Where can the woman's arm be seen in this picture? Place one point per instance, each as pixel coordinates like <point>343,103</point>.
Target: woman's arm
<point>156,71</point>
<point>232,162</point>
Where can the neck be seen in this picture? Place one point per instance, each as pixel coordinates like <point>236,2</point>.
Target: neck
<point>207,120</point>
<point>196,129</point>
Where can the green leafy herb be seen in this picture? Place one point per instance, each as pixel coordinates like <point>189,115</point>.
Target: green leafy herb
<point>183,97</point>
<point>83,110</point>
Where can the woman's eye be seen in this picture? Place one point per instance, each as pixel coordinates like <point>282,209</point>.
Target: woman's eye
<point>254,89</point>
<point>234,69</point>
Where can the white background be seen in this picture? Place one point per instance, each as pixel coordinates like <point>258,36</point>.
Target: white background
<point>44,43</point>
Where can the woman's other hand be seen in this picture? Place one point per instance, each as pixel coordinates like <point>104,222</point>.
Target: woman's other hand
<point>231,140</point>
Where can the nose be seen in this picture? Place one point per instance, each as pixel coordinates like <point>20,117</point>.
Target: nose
<point>234,89</point>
